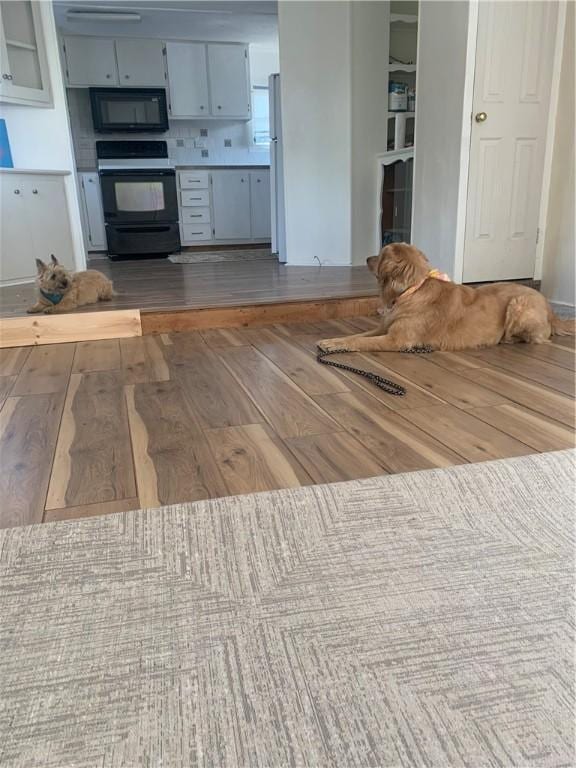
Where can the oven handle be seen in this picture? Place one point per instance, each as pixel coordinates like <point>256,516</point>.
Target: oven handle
<point>137,172</point>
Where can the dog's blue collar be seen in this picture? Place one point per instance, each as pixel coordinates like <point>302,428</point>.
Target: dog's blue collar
<point>53,298</point>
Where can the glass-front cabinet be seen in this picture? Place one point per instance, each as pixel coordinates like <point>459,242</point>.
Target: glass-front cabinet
<point>23,66</point>
<point>395,186</point>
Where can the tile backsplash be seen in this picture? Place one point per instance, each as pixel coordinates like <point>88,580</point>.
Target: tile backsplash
<point>190,142</point>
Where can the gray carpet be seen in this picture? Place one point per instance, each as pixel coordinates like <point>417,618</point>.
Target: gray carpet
<point>416,620</point>
<point>203,257</point>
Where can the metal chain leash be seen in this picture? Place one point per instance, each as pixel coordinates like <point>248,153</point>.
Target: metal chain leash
<point>391,387</point>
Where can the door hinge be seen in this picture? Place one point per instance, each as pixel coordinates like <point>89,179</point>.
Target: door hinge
<point>164,50</point>
<point>245,54</point>
<point>213,231</point>
<point>537,235</point>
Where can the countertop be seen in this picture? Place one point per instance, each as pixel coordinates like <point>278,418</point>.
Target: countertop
<point>36,172</point>
<point>190,167</point>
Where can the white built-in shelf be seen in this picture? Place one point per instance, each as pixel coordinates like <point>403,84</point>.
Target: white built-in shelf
<point>403,18</point>
<point>18,44</point>
<point>402,68</point>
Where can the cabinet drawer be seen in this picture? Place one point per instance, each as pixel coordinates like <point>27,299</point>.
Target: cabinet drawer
<point>196,216</point>
<point>195,197</point>
<point>194,180</point>
<point>193,232</point>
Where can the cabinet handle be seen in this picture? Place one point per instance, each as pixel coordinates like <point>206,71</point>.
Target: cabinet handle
<point>242,180</point>
<point>91,181</point>
<point>5,76</point>
<point>219,107</point>
<point>196,216</point>
<point>127,77</point>
<point>34,191</point>
<point>16,191</point>
<point>108,76</point>
<point>201,106</point>
<point>258,181</point>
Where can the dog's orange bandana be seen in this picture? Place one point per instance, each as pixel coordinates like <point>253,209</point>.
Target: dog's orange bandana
<point>435,274</point>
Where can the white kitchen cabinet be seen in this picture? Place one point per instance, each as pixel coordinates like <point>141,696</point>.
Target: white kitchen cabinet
<point>188,79</point>
<point>140,62</point>
<point>260,204</point>
<point>92,212</point>
<point>229,80</point>
<point>35,224</point>
<point>24,68</point>
<point>90,61</point>
<point>231,205</point>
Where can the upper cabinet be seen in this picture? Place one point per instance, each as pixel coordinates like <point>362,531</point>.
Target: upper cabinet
<point>205,80</point>
<point>208,80</point>
<point>229,80</point>
<point>188,75</point>
<point>93,61</point>
<point>141,62</point>
<point>90,61</point>
<point>24,68</point>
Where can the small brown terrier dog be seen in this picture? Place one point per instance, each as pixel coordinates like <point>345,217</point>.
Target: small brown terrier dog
<point>64,291</point>
<point>420,310</point>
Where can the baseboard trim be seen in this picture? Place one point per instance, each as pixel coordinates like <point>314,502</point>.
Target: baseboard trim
<point>35,330</point>
<point>167,321</point>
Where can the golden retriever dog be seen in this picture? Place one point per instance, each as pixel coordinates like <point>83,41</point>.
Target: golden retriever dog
<point>420,310</point>
<point>63,291</point>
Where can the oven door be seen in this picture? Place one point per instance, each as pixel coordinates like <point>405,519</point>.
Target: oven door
<point>139,196</point>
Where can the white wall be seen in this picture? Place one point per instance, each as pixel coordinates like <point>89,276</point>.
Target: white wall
<point>370,29</point>
<point>315,84</point>
<point>40,136</point>
<point>334,81</point>
<point>558,273</point>
<point>264,61</point>
<point>442,132</point>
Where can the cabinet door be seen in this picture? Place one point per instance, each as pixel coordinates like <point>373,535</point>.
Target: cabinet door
<point>231,205</point>
<point>260,204</point>
<point>17,262</point>
<point>229,80</point>
<point>94,215</point>
<point>24,71</point>
<point>140,62</point>
<point>90,61</point>
<point>188,79</point>
<point>47,208</point>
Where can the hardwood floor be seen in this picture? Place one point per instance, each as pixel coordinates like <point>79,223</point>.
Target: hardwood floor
<point>99,427</point>
<point>158,284</point>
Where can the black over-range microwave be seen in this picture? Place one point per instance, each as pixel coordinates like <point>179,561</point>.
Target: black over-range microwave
<point>129,110</point>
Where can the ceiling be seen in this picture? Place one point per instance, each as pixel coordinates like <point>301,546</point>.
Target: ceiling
<point>219,20</point>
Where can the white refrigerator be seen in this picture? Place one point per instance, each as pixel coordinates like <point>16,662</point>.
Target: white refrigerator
<point>277,170</point>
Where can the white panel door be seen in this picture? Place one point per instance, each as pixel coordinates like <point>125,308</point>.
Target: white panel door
<point>48,210</point>
<point>93,212</point>
<point>229,80</point>
<point>188,79</point>
<point>141,62</point>
<point>90,61</point>
<point>514,58</point>
<point>260,204</point>
<point>16,245</point>
<point>231,205</point>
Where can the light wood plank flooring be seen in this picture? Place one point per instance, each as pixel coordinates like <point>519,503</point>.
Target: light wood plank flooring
<point>157,284</point>
<point>108,426</point>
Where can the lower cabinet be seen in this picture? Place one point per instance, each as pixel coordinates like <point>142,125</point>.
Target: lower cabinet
<point>260,204</point>
<point>92,212</point>
<point>34,224</point>
<point>231,205</point>
<point>225,206</point>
